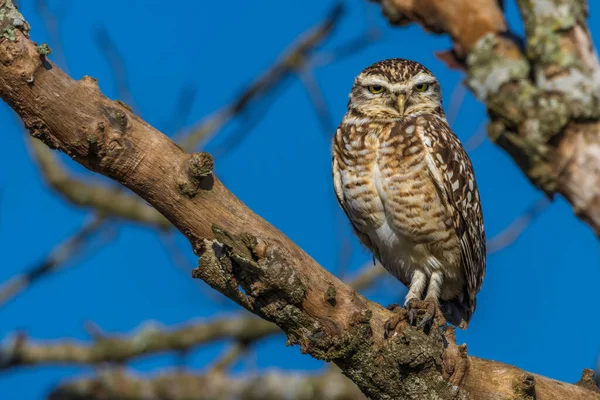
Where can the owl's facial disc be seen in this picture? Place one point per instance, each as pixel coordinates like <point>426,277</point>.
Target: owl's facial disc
<point>376,96</point>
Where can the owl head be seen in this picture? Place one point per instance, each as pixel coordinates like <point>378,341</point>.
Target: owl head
<point>395,88</point>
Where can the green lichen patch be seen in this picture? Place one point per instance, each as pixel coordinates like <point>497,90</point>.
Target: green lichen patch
<point>44,49</point>
<point>11,20</point>
<point>490,68</point>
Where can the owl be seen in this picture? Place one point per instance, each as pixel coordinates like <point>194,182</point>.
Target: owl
<point>408,188</point>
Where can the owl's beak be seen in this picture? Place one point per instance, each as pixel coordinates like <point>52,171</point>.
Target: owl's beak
<point>401,101</point>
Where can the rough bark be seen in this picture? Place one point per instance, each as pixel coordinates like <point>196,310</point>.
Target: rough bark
<point>238,249</point>
<point>543,100</point>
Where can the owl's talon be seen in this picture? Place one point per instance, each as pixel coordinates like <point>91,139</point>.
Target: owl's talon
<point>430,312</point>
<point>429,316</point>
<point>412,316</point>
<point>392,323</point>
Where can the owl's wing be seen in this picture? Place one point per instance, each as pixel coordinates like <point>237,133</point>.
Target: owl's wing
<point>452,172</point>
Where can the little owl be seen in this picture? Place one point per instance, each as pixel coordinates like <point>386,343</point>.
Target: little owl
<point>407,185</point>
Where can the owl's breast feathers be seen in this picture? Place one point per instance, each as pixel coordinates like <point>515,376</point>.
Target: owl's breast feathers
<point>408,188</point>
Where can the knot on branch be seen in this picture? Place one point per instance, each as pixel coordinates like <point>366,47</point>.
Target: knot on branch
<point>40,130</point>
<point>257,275</point>
<point>197,174</point>
<point>588,380</point>
<point>524,387</point>
<point>263,278</point>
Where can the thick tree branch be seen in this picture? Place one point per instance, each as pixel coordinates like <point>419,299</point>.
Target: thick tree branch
<point>238,249</point>
<point>544,104</point>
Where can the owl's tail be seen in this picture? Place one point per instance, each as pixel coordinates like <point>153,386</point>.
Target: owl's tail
<point>457,311</point>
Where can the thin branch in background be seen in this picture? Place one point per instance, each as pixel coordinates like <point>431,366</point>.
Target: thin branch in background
<point>318,102</point>
<point>293,59</point>
<point>457,99</point>
<point>367,276</point>
<point>108,201</point>
<point>50,21</point>
<point>344,254</point>
<point>182,109</point>
<point>117,65</point>
<point>67,252</point>
<point>150,338</point>
<point>177,385</point>
<point>478,138</point>
<point>348,49</point>
<point>229,357</point>
<point>511,233</point>
<point>371,34</point>
<point>247,121</point>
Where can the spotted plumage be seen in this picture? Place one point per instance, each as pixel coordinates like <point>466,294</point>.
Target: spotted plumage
<point>408,188</point>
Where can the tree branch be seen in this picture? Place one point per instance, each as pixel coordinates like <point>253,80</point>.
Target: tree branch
<point>53,262</point>
<point>149,339</point>
<point>544,104</point>
<point>105,200</point>
<point>242,255</point>
<point>184,385</point>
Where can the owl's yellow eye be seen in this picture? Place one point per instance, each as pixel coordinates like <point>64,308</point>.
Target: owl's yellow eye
<point>376,89</point>
<point>421,87</point>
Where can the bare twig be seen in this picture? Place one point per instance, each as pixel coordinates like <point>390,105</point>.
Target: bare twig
<point>149,339</point>
<point>229,357</point>
<point>117,65</point>
<point>113,202</point>
<point>456,101</point>
<point>477,138</point>
<point>57,259</point>
<point>182,109</point>
<point>512,232</point>
<point>331,385</point>
<point>293,59</point>
<point>318,102</point>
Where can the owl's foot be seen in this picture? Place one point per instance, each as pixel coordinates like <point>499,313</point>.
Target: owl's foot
<point>422,313</point>
<point>392,323</point>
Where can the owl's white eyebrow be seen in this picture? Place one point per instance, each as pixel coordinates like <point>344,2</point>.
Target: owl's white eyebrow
<point>368,81</point>
<point>423,78</point>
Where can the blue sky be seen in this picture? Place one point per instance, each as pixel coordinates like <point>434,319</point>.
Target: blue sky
<point>539,299</point>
